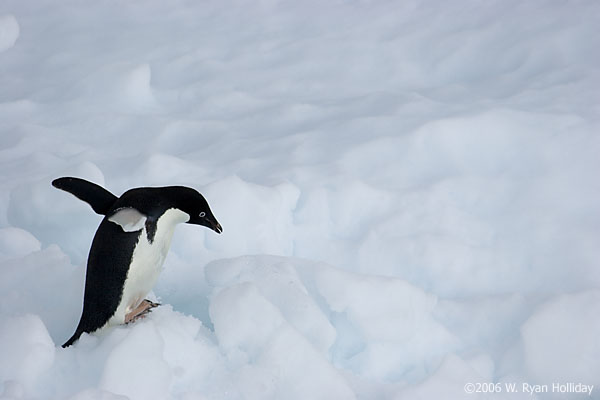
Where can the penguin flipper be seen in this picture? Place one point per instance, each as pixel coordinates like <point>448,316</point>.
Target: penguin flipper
<point>96,196</point>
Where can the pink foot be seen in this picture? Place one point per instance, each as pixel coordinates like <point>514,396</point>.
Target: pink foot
<point>140,311</point>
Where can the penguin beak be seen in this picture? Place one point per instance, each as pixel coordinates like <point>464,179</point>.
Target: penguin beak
<point>209,222</point>
<point>217,227</point>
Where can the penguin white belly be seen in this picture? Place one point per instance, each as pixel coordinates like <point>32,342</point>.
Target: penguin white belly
<point>146,263</point>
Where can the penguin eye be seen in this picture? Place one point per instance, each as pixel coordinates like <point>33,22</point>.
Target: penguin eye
<point>202,214</point>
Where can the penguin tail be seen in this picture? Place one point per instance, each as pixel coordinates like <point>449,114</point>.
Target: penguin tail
<point>73,339</point>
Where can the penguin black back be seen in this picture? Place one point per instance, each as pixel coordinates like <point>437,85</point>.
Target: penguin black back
<point>104,286</point>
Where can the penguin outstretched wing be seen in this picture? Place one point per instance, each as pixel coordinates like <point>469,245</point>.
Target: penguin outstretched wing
<point>96,196</point>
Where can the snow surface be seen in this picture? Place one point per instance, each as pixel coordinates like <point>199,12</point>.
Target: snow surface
<point>409,194</point>
<point>9,31</point>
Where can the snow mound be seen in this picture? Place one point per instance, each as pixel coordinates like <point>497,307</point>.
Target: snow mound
<point>272,359</point>
<point>275,326</point>
<point>41,208</point>
<point>16,242</point>
<point>448,381</point>
<point>136,86</point>
<point>280,284</point>
<point>405,346</point>
<point>9,31</point>
<point>267,209</point>
<point>117,86</point>
<point>43,283</point>
<point>27,349</point>
<point>561,340</point>
<point>132,359</point>
<point>330,308</point>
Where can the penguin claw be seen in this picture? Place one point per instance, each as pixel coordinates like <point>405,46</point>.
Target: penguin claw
<point>141,311</point>
<point>150,303</point>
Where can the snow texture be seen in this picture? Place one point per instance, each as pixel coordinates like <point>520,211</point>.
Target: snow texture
<point>408,190</point>
<point>9,31</point>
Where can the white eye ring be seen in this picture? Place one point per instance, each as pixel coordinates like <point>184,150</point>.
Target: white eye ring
<point>202,214</point>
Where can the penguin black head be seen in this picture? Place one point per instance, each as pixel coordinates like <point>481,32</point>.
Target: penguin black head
<point>196,206</point>
<point>155,201</point>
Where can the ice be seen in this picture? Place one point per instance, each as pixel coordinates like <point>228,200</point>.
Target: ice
<point>408,192</point>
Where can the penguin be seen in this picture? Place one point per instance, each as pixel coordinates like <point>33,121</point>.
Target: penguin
<point>130,246</point>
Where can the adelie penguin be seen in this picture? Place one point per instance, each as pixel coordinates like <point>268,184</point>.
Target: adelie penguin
<point>130,246</point>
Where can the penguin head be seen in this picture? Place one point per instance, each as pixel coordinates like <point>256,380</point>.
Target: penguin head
<point>204,217</point>
<point>153,202</point>
<point>195,205</point>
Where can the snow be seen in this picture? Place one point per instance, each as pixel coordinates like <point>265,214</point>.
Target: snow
<point>16,242</point>
<point>408,192</point>
<point>27,349</point>
<point>567,350</point>
<point>9,31</point>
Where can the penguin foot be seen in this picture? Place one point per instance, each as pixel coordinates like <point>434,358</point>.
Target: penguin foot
<point>140,311</point>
